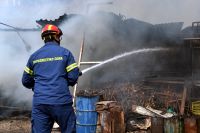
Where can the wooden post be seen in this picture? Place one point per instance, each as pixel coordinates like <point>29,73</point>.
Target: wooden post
<point>182,109</point>
<point>79,63</point>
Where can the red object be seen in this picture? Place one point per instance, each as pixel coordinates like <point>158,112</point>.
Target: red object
<point>51,29</point>
<point>190,125</point>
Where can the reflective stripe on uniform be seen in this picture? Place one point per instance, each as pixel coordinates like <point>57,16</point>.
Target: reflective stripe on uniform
<point>71,67</point>
<point>47,60</point>
<point>28,70</point>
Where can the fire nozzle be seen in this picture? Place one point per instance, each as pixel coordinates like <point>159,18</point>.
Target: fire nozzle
<point>80,73</point>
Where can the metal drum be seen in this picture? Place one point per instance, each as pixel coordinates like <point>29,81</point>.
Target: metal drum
<point>198,125</point>
<point>173,125</point>
<point>190,125</point>
<point>167,126</point>
<point>86,115</point>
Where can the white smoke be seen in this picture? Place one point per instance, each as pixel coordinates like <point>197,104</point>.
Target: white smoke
<point>13,55</point>
<point>157,11</point>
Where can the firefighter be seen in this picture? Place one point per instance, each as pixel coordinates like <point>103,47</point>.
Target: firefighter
<point>49,73</point>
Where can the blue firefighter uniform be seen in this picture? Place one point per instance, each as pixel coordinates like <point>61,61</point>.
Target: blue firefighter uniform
<point>49,72</point>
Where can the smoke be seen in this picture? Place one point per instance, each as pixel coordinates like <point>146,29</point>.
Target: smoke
<point>107,35</point>
<point>156,11</point>
<point>13,55</point>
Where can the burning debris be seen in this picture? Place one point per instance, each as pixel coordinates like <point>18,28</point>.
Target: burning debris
<point>166,96</point>
<point>88,93</point>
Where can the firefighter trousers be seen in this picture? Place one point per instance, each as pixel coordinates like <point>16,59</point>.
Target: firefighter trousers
<point>44,116</point>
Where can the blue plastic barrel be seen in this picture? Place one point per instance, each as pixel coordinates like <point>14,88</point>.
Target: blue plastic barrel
<point>86,115</point>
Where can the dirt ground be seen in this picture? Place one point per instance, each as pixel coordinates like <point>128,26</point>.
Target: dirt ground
<point>17,126</point>
<point>24,126</point>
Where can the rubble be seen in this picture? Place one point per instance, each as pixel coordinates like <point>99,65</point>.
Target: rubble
<point>143,111</point>
<point>138,125</point>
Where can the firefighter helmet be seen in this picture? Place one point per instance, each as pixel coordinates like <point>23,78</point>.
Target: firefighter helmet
<point>50,29</point>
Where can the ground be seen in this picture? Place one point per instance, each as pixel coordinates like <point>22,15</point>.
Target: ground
<point>17,126</point>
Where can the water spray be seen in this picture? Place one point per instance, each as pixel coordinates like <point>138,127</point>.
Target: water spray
<point>145,50</point>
